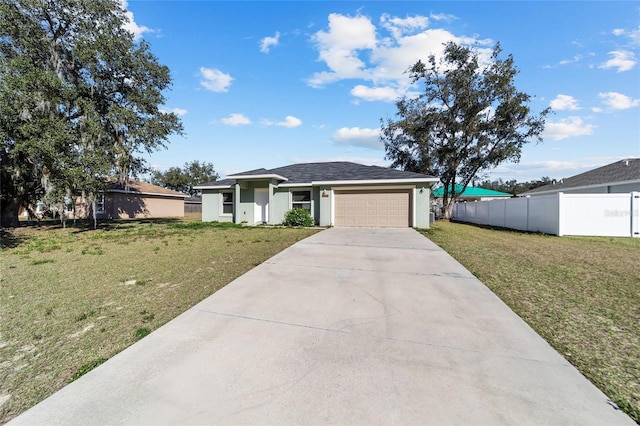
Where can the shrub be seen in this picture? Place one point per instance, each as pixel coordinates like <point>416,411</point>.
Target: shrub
<point>298,217</point>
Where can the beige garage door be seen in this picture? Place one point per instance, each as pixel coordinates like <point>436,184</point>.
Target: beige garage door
<point>379,208</point>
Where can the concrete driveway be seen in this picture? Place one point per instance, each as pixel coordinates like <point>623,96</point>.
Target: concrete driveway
<point>349,326</point>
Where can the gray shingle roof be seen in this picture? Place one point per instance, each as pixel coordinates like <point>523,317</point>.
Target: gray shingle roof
<point>620,171</point>
<point>328,171</point>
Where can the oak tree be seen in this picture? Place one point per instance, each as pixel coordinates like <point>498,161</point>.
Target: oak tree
<point>79,100</point>
<point>186,178</point>
<point>467,119</point>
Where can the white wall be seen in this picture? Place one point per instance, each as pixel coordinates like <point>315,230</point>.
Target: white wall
<point>615,215</point>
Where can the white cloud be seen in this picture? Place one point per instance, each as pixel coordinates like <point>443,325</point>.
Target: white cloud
<point>564,102</point>
<point>215,80</point>
<point>131,25</point>
<point>176,111</point>
<point>399,26</point>
<point>632,35</point>
<point>575,59</point>
<point>339,47</point>
<point>623,60</point>
<point>354,48</point>
<point>290,121</point>
<point>443,17</point>
<point>566,128</point>
<point>387,94</point>
<point>618,101</point>
<point>366,138</point>
<point>236,119</point>
<point>267,42</point>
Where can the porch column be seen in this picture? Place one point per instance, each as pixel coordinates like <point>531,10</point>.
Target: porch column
<point>236,204</point>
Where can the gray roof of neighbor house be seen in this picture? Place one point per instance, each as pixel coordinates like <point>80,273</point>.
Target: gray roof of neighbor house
<point>620,171</point>
<point>325,172</point>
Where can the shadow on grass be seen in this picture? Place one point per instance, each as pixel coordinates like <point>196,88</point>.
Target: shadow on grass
<point>9,240</point>
<point>12,239</point>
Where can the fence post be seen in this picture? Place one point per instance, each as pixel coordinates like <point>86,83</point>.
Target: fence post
<point>635,214</point>
<point>560,213</point>
<point>528,214</point>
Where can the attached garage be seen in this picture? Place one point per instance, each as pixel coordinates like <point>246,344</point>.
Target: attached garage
<point>374,208</point>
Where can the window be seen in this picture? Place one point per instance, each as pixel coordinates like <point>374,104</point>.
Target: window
<point>100,203</point>
<point>68,205</point>
<point>301,200</point>
<point>227,203</point>
<point>41,207</point>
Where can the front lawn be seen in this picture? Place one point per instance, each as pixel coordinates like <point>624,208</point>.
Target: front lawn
<point>72,298</point>
<point>581,294</point>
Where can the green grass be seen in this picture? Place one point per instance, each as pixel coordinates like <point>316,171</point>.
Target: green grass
<point>72,298</point>
<point>581,294</point>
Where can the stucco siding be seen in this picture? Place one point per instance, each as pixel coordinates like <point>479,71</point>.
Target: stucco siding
<point>421,202</point>
<point>594,190</point>
<point>211,202</point>
<point>315,196</point>
<point>129,206</point>
<point>279,205</point>
<point>325,202</point>
<point>625,188</point>
<point>245,204</point>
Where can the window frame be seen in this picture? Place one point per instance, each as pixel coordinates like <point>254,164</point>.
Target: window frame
<point>224,203</point>
<point>100,207</point>
<point>299,204</point>
<point>68,205</point>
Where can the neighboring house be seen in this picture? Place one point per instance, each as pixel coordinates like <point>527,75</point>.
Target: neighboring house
<point>471,193</point>
<point>118,201</point>
<point>335,193</point>
<point>620,177</point>
<point>138,199</point>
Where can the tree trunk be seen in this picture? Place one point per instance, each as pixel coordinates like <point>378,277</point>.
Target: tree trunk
<point>9,214</point>
<point>448,208</point>
<point>93,213</point>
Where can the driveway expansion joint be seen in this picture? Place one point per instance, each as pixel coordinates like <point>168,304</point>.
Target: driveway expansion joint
<point>373,336</point>
<point>376,271</point>
<point>371,246</point>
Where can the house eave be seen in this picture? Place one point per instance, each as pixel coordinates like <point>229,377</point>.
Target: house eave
<point>295,185</point>
<point>214,186</point>
<point>374,181</point>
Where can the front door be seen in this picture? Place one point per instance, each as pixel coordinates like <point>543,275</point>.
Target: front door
<point>261,205</point>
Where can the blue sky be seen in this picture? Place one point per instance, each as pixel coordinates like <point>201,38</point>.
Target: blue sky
<point>267,84</point>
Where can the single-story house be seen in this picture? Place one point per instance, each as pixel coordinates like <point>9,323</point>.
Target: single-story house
<point>335,193</point>
<point>139,199</point>
<point>620,177</point>
<point>136,199</point>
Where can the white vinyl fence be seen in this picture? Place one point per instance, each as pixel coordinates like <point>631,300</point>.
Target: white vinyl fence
<point>607,215</point>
